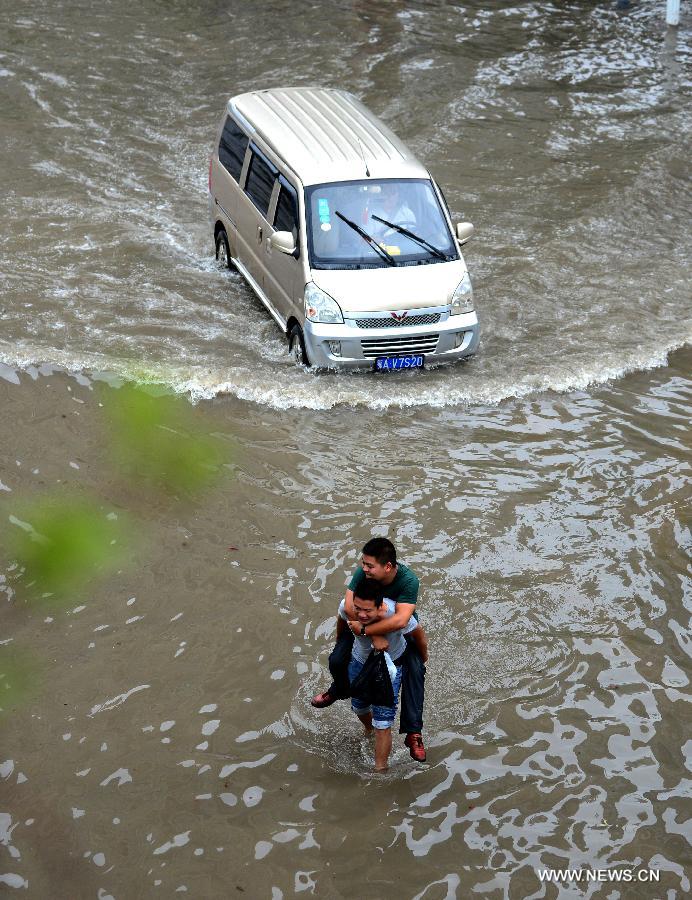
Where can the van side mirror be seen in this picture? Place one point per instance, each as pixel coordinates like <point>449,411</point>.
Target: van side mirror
<point>464,231</point>
<point>283,242</point>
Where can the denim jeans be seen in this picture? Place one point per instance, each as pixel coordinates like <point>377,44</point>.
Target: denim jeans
<point>412,681</point>
<point>382,716</point>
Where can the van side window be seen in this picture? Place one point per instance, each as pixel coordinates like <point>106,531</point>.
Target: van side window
<point>260,181</point>
<point>232,147</point>
<point>286,217</point>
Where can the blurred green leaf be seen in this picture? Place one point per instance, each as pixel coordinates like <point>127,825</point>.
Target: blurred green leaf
<point>62,544</point>
<point>158,439</point>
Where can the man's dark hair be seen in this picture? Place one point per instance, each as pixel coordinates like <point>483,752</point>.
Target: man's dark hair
<point>370,590</point>
<point>382,549</point>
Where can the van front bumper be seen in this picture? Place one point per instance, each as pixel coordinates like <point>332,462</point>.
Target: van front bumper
<point>356,345</point>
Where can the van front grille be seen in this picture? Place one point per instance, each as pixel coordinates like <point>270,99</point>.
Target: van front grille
<point>419,343</point>
<point>391,322</point>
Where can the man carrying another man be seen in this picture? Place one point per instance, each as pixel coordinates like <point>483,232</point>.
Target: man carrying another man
<point>399,584</point>
<point>376,712</point>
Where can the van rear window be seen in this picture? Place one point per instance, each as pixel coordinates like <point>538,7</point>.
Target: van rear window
<point>260,182</point>
<point>232,147</point>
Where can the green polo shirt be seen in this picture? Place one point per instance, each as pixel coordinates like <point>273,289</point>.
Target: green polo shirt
<point>404,588</point>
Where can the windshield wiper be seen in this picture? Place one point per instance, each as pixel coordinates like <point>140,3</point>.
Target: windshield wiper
<point>368,238</point>
<point>414,237</point>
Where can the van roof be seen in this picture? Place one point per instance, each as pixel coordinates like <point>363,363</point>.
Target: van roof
<point>324,134</point>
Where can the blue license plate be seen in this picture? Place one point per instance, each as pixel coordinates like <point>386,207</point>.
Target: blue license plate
<point>397,363</point>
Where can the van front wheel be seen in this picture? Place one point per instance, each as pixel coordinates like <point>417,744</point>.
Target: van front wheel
<point>223,253</point>
<point>296,346</point>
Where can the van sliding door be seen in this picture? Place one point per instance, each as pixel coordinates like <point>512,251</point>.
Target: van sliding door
<point>253,209</point>
<point>284,273</point>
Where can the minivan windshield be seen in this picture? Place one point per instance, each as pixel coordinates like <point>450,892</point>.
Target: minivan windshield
<point>375,224</point>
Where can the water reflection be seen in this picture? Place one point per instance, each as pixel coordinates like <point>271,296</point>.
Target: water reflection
<point>172,744</point>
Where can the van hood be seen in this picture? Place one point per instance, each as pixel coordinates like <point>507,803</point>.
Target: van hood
<point>391,288</point>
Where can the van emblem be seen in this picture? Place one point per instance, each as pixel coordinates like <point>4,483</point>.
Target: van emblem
<point>399,318</point>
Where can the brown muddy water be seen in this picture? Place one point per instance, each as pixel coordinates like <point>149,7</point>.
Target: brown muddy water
<point>541,491</point>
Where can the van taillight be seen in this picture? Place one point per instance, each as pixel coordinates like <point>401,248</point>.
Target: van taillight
<point>211,159</point>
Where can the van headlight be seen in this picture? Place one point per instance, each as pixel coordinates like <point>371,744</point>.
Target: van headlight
<point>319,307</point>
<point>462,298</point>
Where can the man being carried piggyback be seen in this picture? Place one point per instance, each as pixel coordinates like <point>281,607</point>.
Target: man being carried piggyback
<point>371,607</point>
<point>400,585</point>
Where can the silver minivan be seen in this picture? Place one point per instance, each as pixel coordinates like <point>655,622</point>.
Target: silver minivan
<point>340,231</point>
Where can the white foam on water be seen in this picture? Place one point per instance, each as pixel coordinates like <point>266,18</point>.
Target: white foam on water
<point>287,387</point>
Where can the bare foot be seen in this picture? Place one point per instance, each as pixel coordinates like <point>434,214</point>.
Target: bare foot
<point>380,769</point>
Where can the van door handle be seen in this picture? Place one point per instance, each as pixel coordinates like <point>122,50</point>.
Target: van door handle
<point>259,234</point>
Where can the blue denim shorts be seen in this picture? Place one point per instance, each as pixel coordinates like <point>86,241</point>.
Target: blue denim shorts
<point>382,716</point>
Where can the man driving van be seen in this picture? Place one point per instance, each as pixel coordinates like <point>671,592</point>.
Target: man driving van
<point>391,207</point>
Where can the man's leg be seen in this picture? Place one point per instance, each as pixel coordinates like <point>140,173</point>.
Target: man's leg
<point>383,747</point>
<point>339,659</point>
<point>412,691</point>
<point>412,699</point>
<point>360,707</point>
<point>366,721</point>
<point>382,721</point>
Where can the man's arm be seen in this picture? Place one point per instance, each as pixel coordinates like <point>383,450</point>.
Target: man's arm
<point>402,614</point>
<point>349,608</point>
<point>379,642</point>
<point>420,639</point>
<point>341,626</point>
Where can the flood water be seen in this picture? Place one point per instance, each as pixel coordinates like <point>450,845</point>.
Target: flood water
<point>540,491</point>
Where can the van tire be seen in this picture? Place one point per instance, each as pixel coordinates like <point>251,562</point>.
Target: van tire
<point>296,346</point>
<point>223,251</point>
